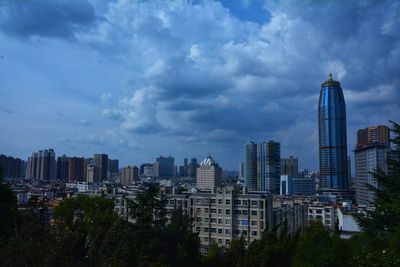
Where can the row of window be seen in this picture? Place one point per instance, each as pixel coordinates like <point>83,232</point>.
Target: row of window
<point>243,202</point>
<point>227,211</point>
<point>221,231</point>
<point>224,221</point>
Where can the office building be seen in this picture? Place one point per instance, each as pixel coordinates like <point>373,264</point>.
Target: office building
<point>300,185</point>
<point>100,161</point>
<point>128,175</point>
<point>272,165</point>
<point>250,166</point>
<point>150,169</point>
<point>209,174</point>
<point>166,167</point>
<point>63,167</point>
<point>76,169</point>
<point>241,170</point>
<point>370,154</point>
<point>332,138</point>
<point>290,166</point>
<point>185,171</point>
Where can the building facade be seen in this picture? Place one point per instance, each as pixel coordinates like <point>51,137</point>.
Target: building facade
<point>332,138</point>
<point>63,168</point>
<point>100,161</point>
<point>42,165</point>
<point>12,167</point>
<point>128,175</point>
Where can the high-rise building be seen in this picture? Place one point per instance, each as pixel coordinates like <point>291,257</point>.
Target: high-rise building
<point>369,155</point>
<point>209,174</point>
<point>113,166</point>
<point>166,166</point>
<point>241,170</point>
<point>91,173</point>
<point>193,168</point>
<point>76,169</point>
<point>42,165</point>
<point>63,167</point>
<point>101,163</point>
<point>185,172</point>
<point>332,138</point>
<point>128,175</point>
<point>12,167</point>
<point>272,166</point>
<point>250,165</point>
<point>290,166</point>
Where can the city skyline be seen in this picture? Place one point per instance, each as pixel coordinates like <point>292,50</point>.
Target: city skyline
<point>138,80</point>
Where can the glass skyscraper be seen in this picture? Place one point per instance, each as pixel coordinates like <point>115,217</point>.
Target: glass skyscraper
<point>332,137</point>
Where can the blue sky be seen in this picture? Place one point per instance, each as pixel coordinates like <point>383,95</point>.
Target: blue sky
<point>138,79</point>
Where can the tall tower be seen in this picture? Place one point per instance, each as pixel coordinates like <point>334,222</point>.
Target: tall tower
<point>250,165</point>
<point>272,166</point>
<point>332,137</point>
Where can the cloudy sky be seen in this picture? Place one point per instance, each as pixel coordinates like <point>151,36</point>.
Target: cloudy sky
<point>138,79</point>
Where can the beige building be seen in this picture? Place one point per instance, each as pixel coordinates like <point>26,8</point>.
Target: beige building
<point>209,174</point>
<point>128,175</point>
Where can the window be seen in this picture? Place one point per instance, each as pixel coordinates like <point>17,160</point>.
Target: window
<point>206,220</point>
<point>238,202</point>
<point>254,202</point>
<point>219,201</point>
<point>227,212</point>
<point>220,221</point>
<point>253,223</point>
<point>254,233</point>
<point>213,230</point>
<point>227,241</point>
<point>205,229</point>
<point>219,231</point>
<point>227,231</point>
<point>206,201</point>
<point>213,210</point>
<point>254,212</point>
<point>213,220</point>
<point>237,222</point>
<point>227,221</point>
<point>236,232</point>
<point>199,201</point>
<point>244,232</point>
<point>237,212</point>
<point>206,210</point>
<point>198,209</point>
<point>227,201</point>
<point>244,202</point>
<point>198,229</point>
<point>219,241</point>
<point>213,200</point>
<point>220,211</point>
<point>198,219</point>
<point>244,212</point>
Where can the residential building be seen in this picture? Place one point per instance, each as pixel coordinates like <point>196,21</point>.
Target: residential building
<point>12,167</point>
<point>63,167</point>
<point>100,161</point>
<point>76,169</point>
<point>325,213</point>
<point>42,165</point>
<point>370,155</point>
<point>128,175</point>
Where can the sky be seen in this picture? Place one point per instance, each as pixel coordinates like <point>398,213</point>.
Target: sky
<point>139,79</point>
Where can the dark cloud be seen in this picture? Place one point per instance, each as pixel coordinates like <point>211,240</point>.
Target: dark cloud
<point>45,18</point>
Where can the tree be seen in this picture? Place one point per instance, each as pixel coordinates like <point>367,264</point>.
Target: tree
<point>8,210</point>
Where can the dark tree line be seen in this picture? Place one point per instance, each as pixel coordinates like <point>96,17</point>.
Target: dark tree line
<point>85,231</point>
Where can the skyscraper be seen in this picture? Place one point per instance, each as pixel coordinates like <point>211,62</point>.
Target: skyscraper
<point>209,174</point>
<point>250,165</point>
<point>332,138</point>
<point>76,169</point>
<point>166,166</point>
<point>290,166</point>
<point>369,155</point>
<point>272,166</point>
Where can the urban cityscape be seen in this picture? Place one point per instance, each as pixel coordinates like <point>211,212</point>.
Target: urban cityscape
<point>225,180</point>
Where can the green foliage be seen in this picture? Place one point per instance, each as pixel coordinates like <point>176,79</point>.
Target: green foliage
<point>8,210</point>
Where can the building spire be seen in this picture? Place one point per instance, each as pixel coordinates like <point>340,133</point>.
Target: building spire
<point>330,76</point>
